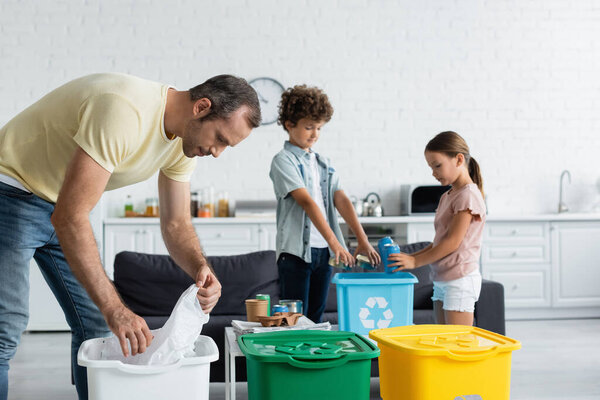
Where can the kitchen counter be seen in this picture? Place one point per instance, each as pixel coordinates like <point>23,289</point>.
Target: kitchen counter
<point>408,219</point>
<point>224,221</point>
<point>490,217</point>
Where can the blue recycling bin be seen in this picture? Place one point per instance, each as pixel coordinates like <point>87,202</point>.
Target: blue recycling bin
<point>374,300</point>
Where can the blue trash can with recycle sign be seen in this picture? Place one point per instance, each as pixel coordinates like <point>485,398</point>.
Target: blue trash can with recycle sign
<point>374,300</point>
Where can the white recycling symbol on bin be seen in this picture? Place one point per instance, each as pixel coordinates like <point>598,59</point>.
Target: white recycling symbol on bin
<point>365,312</point>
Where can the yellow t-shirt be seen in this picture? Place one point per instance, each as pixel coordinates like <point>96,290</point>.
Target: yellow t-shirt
<point>117,119</point>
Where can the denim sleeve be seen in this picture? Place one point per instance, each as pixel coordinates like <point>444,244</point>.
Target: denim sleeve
<point>286,176</point>
<point>334,180</point>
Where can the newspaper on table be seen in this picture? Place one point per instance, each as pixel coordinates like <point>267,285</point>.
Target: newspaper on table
<point>244,327</point>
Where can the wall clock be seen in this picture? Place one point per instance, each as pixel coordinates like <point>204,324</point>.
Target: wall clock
<point>269,93</point>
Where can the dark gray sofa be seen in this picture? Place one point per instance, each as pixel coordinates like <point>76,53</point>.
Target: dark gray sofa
<point>151,284</point>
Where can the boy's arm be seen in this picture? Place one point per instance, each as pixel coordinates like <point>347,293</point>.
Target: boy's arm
<point>344,206</point>
<point>456,234</point>
<point>302,197</point>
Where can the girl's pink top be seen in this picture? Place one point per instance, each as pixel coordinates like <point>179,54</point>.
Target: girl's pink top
<point>465,259</point>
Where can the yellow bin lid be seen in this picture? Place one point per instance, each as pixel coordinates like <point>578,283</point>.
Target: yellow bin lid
<point>458,342</point>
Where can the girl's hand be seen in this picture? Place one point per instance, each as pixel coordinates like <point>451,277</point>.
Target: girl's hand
<point>341,254</point>
<point>403,260</point>
<point>368,250</point>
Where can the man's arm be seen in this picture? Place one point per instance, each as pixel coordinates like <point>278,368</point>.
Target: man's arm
<point>181,239</point>
<point>346,209</point>
<point>311,208</point>
<point>84,183</point>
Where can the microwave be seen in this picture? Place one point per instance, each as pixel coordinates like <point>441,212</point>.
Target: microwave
<point>420,200</point>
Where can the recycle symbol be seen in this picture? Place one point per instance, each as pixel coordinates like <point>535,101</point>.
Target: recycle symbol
<point>365,312</point>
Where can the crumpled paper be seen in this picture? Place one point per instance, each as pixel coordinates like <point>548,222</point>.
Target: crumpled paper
<point>173,341</point>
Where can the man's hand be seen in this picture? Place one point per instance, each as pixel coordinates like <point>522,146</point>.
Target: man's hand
<point>126,325</point>
<point>368,250</point>
<point>210,289</point>
<point>405,261</point>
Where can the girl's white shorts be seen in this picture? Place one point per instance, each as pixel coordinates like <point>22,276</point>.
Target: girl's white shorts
<point>459,294</point>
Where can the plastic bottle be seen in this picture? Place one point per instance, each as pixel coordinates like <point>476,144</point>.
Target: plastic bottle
<point>128,204</point>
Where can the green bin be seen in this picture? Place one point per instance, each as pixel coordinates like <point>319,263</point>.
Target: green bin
<point>308,364</point>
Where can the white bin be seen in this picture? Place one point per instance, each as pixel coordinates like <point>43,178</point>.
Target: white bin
<point>186,379</point>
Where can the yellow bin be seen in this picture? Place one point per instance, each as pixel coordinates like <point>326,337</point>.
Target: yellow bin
<point>443,362</point>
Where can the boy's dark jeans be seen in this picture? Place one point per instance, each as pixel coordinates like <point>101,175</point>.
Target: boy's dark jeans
<point>304,281</point>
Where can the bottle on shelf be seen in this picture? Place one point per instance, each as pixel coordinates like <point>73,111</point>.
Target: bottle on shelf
<point>204,212</point>
<point>208,200</point>
<point>128,205</point>
<point>151,207</point>
<point>223,205</point>
<point>194,205</point>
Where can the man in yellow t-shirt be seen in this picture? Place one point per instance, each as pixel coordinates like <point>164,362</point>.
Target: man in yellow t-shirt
<point>96,133</point>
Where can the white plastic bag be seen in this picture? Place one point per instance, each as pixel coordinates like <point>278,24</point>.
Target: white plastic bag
<point>173,341</point>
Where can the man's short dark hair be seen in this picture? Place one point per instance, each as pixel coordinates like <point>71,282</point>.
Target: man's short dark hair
<point>227,93</point>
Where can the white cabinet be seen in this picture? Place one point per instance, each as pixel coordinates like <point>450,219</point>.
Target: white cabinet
<point>576,264</point>
<point>268,236</point>
<point>549,268</point>
<point>141,238</point>
<point>517,254</point>
<point>420,232</point>
<point>217,237</point>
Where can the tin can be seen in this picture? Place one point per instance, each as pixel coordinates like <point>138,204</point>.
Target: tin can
<point>390,248</point>
<point>280,308</point>
<point>339,264</point>
<point>363,262</point>
<point>294,306</point>
<point>263,296</point>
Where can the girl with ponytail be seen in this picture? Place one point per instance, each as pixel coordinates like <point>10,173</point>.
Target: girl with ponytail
<point>459,220</point>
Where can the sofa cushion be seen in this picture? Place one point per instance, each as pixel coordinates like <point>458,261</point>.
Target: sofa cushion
<point>149,284</point>
<point>163,281</point>
<point>246,275</point>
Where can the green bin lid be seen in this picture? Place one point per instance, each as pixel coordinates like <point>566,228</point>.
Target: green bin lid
<point>307,346</point>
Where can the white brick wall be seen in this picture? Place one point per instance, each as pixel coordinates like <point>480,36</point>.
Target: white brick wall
<point>518,79</point>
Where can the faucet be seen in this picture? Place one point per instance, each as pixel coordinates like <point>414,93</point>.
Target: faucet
<point>562,207</point>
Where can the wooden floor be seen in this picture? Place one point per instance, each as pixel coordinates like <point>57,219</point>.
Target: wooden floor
<point>559,360</point>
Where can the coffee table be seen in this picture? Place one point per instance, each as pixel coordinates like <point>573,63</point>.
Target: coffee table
<point>232,350</point>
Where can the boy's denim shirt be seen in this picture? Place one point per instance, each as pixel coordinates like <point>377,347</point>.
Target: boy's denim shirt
<point>290,171</point>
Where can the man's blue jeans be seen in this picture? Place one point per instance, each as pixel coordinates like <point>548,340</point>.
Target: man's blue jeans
<point>26,232</point>
<point>304,281</point>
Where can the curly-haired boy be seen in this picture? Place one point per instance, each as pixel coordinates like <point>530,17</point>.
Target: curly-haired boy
<point>308,193</point>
